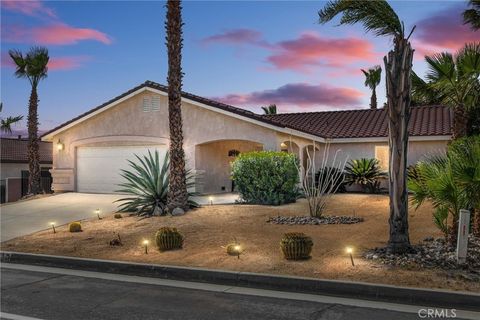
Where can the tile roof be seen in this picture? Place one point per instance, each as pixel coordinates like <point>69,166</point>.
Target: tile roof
<point>15,151</point>
<point>429,120</point>
<point>364,123</point>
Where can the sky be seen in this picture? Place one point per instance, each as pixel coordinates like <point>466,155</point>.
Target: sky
<point>244,53</point>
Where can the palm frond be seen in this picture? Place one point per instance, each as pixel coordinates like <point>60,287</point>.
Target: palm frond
<point>376,16</point>
<point>472,16</point>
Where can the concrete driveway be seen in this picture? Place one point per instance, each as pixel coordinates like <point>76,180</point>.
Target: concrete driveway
<point>25,217</point>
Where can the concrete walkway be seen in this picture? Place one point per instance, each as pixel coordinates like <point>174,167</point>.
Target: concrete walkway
<point>25,217</point>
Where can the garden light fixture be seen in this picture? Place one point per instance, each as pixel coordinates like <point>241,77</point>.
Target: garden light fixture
<point>145,243</point>
<point>97,212</point>
<point>350,251</point>
<point>210,199</point>
<point>53,226</point>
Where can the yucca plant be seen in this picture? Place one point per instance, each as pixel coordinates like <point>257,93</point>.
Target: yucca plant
<point>148,182</point>
<point>364,172</point>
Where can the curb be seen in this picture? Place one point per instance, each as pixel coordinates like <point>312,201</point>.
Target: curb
<point>344,289</point>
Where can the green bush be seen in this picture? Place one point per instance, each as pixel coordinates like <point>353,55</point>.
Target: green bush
<point>366,173</point>
<point>266,177</point>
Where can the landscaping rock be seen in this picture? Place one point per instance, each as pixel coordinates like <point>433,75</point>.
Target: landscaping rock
<point>178,212</point>
<point>434,253</point>
<point>302,220</point>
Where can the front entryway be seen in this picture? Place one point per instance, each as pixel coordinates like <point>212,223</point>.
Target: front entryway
<point>99,168</point>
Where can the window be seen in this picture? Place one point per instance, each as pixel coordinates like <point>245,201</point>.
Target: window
<point>382,155</point>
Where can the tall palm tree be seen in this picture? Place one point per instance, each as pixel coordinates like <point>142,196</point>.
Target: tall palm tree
<point>372,80</point>
<point>271,109</point>
<point>32,66</point>
<point>472,16</point>
<point>6,124</point>
<point>177,193</point>
<point>452,80</point>
<point>378,17</point>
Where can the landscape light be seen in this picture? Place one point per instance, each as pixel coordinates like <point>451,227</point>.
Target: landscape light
<point>211,200</point>
<point>53,226</point>
<point>97,212</point>
<point>350,251</point>
<point>145,243</point>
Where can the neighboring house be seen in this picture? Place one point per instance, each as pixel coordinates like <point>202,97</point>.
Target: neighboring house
<point>91,149</point>
<point>14,167</point>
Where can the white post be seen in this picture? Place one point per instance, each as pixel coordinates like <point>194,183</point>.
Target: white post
<point>462,240</point>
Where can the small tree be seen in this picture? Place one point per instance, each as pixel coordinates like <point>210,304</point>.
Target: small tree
<point>6,123</point>
<point>372,80</point>
<point>271,109</point>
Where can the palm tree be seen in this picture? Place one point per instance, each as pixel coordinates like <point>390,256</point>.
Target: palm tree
<point>472,16</point>
<point>6,124</point>
<point>271,109</point>
<point>177,192</point>
<point>33,66</point>
<point>372,80</point>
<point>377,16</point>
<point>452,80</point>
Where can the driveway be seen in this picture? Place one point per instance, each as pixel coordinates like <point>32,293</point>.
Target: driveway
<point>25,217</point>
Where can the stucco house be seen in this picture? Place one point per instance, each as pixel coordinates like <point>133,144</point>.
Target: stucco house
<point>90,149</point>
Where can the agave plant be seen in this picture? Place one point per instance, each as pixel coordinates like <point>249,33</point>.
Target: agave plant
<point>364,172</point>
<point>147,182</point>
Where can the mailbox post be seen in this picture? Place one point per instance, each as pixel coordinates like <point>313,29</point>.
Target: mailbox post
<point>462,240</point>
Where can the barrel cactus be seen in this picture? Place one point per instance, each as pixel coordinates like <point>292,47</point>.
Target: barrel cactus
<point>296,246</point>
<point>168,239</point>
<point>75,226</point>
<point>118,216</point>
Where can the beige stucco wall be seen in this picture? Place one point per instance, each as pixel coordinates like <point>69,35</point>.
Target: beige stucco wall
<point>127,124</point>
<point>208,135</point>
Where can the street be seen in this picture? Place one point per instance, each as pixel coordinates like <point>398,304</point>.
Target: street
<point>30,292</point>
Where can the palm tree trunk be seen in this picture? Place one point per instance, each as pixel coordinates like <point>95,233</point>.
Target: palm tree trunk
<point>373,100</point>
<point>460,119</point>
<point>398,65</point>
<point>177,192</point>
<point>33,148</point>
<point>453,232</point>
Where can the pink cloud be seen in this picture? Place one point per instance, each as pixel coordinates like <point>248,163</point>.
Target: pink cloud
<point>311,49</point>
<point>57,34</point>
<point>30,8</point>
<point>54,64</point>
<point>301,95</point>
<point>443,31</point>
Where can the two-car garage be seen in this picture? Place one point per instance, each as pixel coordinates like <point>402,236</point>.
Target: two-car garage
<point>99,168</point>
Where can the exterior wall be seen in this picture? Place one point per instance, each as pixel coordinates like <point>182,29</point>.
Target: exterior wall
<point>127,124</point>
<point>12,170</point>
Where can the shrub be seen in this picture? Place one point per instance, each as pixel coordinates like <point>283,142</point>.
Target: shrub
<point>366,173</point>
<point>296,246</point>
<point>118,216</point>
<point>168,239</point>
<point>147,183</point>
<point>266,177</point>
<point>75,226</point>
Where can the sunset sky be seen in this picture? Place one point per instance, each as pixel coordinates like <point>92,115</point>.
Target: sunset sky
<point>247,54</point>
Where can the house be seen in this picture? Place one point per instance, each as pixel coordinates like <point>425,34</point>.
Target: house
<point>14,167</point>
<point>91,149</point>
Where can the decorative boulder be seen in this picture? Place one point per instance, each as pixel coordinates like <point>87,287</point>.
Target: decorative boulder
<point>178,212</point>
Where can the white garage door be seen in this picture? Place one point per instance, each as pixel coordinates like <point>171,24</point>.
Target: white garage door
<point>98,168</point>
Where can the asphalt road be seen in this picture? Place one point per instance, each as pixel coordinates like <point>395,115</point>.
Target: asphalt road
<point>65,295</point>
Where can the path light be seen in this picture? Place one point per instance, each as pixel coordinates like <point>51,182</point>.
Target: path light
<point>145,243</point>
<point>211,200</point>
<point>97,212</point>
<point>53,226</point>
<point>350,251</point>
